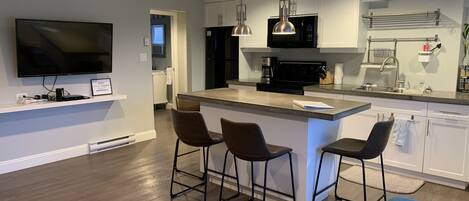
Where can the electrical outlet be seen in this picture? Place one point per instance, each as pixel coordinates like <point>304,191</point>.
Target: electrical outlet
<point>20,96</point>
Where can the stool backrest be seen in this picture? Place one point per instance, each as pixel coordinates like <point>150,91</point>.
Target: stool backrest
<point>378,139</point>
<point>244,140</point>
<point>190,128</point>
<point>187,105</point>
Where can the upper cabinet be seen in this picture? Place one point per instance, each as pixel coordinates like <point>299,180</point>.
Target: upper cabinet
<point>340,21</point>
<point>304,7</point>
<point>258,11</point>
<point>341,24</point>
<point>220,13</point>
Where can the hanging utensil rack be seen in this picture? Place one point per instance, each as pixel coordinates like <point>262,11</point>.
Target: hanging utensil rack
<point>407,20</point>
<point>395,41</point>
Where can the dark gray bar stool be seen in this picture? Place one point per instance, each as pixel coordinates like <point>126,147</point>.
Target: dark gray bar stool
<point>246,141</point>
<point>191,130</point>
<point>361,150</point>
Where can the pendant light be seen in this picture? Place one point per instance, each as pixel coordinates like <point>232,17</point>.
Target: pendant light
<point>284,27</point>
<point>241,29</point>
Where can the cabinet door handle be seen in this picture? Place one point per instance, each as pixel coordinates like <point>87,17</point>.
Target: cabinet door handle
<point>428,127</point>
<point>451,113</point>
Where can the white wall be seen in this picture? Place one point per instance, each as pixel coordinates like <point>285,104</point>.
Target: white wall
<point>440,73</point>
<point>27,133</point>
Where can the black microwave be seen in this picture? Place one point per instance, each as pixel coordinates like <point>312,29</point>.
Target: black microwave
<point>306,33</point>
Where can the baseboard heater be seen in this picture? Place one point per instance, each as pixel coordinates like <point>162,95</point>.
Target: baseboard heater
<point>108,144</point>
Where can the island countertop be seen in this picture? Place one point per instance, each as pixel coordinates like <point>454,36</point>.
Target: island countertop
<point>277,103</point>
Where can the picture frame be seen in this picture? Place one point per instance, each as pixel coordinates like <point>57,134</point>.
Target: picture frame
<point>101,87</point>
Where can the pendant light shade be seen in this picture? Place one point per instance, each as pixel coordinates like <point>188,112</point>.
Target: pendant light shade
<point>284,27</point>
<point>241,29</point>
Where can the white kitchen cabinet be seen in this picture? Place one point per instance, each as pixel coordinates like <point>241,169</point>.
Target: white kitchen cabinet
<point>447,149</point>
<point>410,155</point>
<point>219,14</point>
<point>258,11</point>
<point>306,7</point>
<point>341,24</point>
<point>358,126</point>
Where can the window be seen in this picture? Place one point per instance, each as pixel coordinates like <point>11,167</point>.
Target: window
<point>158,40</point>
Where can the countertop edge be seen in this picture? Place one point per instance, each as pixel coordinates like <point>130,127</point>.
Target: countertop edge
<point>274,109</point>
<point>409,97</point>
<point>242,83</point>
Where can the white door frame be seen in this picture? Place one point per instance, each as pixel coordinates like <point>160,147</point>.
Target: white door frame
<point>178,50</point>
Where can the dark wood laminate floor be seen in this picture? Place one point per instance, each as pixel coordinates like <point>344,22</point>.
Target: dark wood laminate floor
<point>142,172</point>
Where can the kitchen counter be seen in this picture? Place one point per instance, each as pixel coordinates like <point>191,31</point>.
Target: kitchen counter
<point>277,102</point>
<point>245,82</point>
<point>282,124</point>
<point>435,97</point>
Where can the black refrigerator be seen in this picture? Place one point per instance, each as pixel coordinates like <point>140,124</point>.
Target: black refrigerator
<point>221,57</point>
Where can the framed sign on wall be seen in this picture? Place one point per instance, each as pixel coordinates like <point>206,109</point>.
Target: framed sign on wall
<point>101,87</point>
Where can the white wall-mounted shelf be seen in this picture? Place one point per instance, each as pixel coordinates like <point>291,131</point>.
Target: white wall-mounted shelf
<point>11,108</point>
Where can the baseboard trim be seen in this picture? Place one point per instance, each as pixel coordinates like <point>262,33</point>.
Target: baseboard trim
<point>58,155</point>
<point>145,135</point>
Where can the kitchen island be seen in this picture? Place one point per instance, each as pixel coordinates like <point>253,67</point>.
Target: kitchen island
<point>284,124</point>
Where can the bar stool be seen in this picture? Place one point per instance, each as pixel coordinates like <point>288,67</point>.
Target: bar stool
<point>187,105</point>
<point>246,141</point>
<point>191,130</point>
<point>361,150</point>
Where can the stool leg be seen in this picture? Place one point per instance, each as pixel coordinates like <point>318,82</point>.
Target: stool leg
<point>203,156</point>
<point>252,181</point>
<point>223,176</point>
<point>382,173</point>
<point>292,180</point>
<point>337,197</point>
<point>237,177</point>
<point>206,174</point>
<point>174,167</point>
<point>317,178</point>
<point>364,179</point>
<point>265,180</point>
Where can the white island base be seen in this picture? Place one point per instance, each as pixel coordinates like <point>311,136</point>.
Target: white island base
<point>304,135</point>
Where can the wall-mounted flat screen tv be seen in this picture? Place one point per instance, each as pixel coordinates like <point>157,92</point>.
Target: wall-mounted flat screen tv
<point>46,48</point>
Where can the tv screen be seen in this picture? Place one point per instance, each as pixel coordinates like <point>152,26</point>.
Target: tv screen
<point>46,48</point>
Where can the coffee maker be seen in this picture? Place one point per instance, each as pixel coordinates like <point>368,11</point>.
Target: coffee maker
<point>268,66</point>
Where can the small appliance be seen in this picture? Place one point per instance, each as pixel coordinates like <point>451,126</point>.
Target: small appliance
<point>291,76</point>
<point>268,65</point>
<point>305,34</point>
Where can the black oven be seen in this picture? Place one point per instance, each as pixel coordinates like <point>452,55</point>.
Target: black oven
<point>306,33</point>
<point>291,76</point>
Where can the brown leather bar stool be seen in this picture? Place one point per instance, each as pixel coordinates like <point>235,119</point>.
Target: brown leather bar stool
<point>187,105</point>
<point>361,150</point>
<point>246,141</point>
<point>191,130</point>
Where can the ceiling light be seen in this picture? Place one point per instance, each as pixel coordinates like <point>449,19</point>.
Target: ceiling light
<point>241,29</point>
<point>284,27</point>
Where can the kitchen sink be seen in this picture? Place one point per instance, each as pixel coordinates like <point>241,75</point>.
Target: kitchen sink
<point>390,90</point>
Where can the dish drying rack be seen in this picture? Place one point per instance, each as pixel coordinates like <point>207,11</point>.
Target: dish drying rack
<point>376,56</point>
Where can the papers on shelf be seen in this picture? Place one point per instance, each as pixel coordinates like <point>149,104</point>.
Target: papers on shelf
<point>308,105</point>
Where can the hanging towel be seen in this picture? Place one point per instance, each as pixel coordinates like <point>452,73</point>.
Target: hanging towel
<point>400,132</point>
<point>169,76</point>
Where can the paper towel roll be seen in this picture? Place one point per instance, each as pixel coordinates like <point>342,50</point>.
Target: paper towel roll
<point>338,73</point>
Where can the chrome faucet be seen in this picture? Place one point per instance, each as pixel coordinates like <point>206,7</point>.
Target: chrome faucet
<point>397,81</point>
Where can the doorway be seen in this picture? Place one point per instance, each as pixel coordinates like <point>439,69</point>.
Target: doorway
<point>169,56</point>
